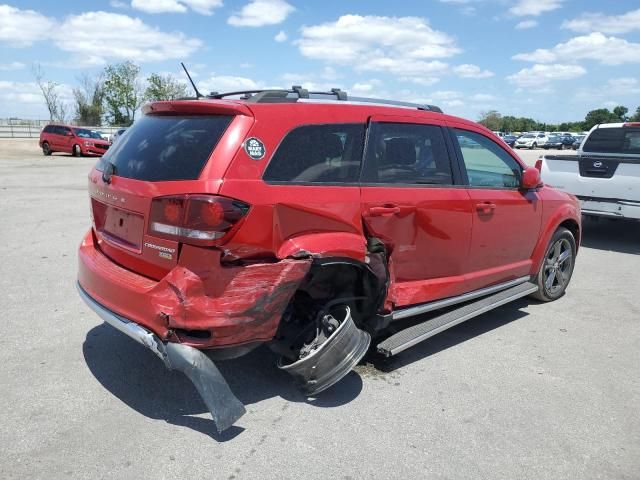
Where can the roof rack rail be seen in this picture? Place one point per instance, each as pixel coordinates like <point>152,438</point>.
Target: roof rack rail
<point>298,93</point>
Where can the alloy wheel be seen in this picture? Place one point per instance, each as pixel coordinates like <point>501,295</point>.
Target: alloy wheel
<point>558,266</point>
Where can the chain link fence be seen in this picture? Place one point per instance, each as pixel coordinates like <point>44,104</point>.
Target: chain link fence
<point>29,128</point>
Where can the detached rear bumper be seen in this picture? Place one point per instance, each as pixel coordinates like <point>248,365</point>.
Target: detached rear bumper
<point>610,208</point>
<point>225,408</point>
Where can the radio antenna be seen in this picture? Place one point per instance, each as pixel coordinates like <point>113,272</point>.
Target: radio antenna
<point>198,94</point>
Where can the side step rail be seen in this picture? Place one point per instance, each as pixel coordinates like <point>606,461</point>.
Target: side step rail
<point>413,335</point>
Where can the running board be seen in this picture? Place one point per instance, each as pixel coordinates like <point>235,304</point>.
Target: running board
<point>411,336</point>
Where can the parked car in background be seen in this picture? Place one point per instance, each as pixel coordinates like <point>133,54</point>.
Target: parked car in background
<point>605,175</point>
<point>577,140</point>
<point>118,133</point>
<point>531,140</point>
<point>75,140</point>
<point>510,140</point>
<point>311,224</point>
<point>104,135</point>
<point>553,141</point>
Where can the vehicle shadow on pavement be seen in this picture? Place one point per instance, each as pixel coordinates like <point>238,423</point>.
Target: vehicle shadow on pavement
<point>451,337</point>
<point>139,379</point>
<point>621,236</point>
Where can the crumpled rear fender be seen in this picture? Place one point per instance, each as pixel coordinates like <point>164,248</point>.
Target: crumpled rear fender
<point>238,304</point>
<point>324,244</point>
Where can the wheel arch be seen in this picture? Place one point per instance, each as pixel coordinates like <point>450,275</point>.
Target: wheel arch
<point>567,216</point>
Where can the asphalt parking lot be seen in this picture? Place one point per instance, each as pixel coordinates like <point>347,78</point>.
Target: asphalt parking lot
<point>529,391</point>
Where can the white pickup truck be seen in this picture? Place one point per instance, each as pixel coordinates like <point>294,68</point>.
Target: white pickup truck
<point>605,173</point>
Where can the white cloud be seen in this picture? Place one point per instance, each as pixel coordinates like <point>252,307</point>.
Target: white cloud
<point>468,70</point>
<point>22,28</point>
<point>599,22</point>
<point>525,24</point>
<point>423,81</point>
<point>96,37</point>
<point>204,7</point>
<point>119,4</point>
<point>482,97</point>
<point>228,83</point>
<point>534,8</point>
<point>542,75</point>
<point>596,46</point>
<point>24,99</point>
<point>12,66</point>
<point>399,45</point>
<point>258,13</point>
<point>281,36</point>
<point>620,87</point>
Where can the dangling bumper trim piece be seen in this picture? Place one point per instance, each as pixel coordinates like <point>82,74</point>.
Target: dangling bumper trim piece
<point>225,408</point>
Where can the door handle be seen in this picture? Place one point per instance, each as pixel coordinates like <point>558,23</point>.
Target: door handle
<point>485,207</point>
<point>384,211</point>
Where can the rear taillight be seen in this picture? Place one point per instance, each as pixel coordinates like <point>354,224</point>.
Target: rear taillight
<point>632,124</point>
<point>538,165</point>
<point>196,219</point>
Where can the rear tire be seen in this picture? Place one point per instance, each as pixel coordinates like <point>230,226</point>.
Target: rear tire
<point>46,149</point>
<point>534,145</point>
<point>76,151</point>
<point>557,266</point>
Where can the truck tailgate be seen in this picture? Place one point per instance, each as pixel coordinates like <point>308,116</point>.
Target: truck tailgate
<point>616,178</point>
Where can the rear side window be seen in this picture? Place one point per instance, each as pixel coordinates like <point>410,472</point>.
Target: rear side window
<point>613,140</point>
<point>160,148</point>
<point>48,129</point>
<point>407,153</point>
<point>318,154</point>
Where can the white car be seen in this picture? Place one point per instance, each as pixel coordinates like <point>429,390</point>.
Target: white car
<point>531,140</point>
<point>604,175</point>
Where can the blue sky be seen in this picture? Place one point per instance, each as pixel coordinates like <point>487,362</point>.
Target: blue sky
<point>552,60</point>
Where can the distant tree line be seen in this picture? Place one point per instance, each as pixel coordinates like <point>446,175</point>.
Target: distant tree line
<point>493,120</point>
<point>112,96</point>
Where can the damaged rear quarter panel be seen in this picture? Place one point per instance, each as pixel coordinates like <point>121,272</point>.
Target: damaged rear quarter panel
<point>237,304</point>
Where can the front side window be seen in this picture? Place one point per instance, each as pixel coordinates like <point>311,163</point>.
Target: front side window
<point>318,154</point>
<point>487,164</point>
<point>406,153</point>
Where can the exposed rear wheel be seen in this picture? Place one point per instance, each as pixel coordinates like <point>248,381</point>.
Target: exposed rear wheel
<point>77,152</point>
<point>534,145</point>
<point>557,266</point>
<point>46,149</point>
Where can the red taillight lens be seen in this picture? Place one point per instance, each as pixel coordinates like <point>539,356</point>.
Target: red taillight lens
<point>538,165</point>
<point>197,219</point>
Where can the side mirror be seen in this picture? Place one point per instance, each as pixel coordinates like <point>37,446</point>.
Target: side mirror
<point>69,134</point>
<point>531,178</point>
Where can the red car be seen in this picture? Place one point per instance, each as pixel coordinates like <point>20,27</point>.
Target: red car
<point>312,222</point>
<point>75,140</point>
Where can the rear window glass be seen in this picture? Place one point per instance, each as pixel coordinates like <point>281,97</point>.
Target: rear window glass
<point>161,148</point>
<point>613,140</point>
<point>318,154</point>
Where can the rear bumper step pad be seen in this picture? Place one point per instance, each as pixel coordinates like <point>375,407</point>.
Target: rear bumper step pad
<point>411,336</point>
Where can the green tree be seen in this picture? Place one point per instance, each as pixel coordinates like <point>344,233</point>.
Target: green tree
<point>89,97</point>
<point>491,119</point>
<point>636,116</point>
<point>600,115</point>
<point>621,112</point>
<point>164,87</point>
<point>123,93</point>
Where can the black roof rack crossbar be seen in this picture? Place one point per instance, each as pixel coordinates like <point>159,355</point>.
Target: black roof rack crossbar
<point>298,93</point>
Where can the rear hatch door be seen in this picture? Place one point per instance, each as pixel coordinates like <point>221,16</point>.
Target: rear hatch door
<point>167,154</point>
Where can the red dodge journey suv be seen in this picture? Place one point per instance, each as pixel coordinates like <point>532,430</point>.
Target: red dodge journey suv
<point>75,140</point>
<point>312,222</point>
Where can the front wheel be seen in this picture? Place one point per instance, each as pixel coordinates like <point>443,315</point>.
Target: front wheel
<point>46,149</point>
<point>557,266</point>
<point>534,145</point>
<point>77,152</point>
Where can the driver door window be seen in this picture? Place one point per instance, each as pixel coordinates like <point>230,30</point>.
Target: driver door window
<point>487,164</point>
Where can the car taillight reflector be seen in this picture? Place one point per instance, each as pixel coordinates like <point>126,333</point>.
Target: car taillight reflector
<point>197,219</point>
<point>632,124</point>
<point>538,164</point>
